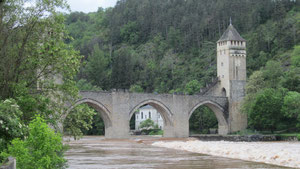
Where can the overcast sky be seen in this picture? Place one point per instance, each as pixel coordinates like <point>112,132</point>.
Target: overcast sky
<point>90,5</point>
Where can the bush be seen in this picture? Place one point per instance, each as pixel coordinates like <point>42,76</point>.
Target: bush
<point>42,149</point>
<point>298,137</point>
<point>11,125</point>
<point>156,132</point>
<point>147,124</point>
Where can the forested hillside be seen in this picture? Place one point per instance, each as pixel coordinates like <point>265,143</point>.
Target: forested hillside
<point>168,46</point>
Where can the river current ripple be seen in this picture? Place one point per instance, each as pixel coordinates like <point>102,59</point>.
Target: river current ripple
<point>94,152</point>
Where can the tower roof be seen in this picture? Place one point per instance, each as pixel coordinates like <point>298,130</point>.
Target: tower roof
<point>231,34</point>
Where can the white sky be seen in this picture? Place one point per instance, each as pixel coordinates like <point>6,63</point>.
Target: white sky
<point>90,5</point>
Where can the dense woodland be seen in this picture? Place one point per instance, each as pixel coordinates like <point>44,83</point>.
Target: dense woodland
<point>142,45</point>
<point>170,46</point>
<point>164,45</point>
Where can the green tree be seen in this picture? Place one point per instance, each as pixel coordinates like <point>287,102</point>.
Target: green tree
<point>147,124</point>
<point>272,74</point>
<point>122,70</point>
<point>202,120</point>
<point>36,64</point>
<point>291,106</point>
<point>192,87</point>
<point>129,33</point>
<point>96,68</point>
<point>78,120</point>
<point>11,125</point>
<point>265,112</point>
<point>43,148</point>
<point>295,58</point>
<point>255,84</point>
<point>83,84</point>
<point>98,126</point>
<point>136,88</point>
<point>291,79</point>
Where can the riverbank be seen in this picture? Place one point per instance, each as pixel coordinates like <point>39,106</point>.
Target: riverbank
<point>277,153</point>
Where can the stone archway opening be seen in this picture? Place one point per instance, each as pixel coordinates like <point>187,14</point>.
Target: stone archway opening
<point>101,121</point>
<point>203,121</point>
<point>224,92</point>
<point>207,118</point>
<point>150,118</point>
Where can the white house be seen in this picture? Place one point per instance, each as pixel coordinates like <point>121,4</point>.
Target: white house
<point>148,112</point>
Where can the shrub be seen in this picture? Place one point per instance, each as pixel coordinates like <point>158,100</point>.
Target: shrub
<point>156,132</point>
<point>11,125</point>
<point>42,149</point>
<point>147,124</point>
<point>298,137</point>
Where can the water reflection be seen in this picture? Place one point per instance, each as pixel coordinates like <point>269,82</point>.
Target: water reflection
<point>97,152</point>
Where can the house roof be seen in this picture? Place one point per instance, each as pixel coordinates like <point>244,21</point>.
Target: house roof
<point>147,107</point>
<point>231,34</point>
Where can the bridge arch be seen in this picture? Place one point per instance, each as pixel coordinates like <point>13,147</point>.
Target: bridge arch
<point>164,111</point>
<point>105,114</point>
<point>223,127</point>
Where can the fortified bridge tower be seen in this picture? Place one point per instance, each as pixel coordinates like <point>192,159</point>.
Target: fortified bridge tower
<point>231,71</point>
<point>223,96</point>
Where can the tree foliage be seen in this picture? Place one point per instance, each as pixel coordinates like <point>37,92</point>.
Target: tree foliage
<point>265,113</point>
<point>11,124</point>
<point>43,148</point>
<point>78,120</point>
<point>202,120</point>
<point>147,124</point>
<point>37,67</point>
<point>291,106</point>
<point>163,45</point>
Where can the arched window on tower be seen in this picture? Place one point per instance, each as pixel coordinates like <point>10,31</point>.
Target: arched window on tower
<point>224,92</point>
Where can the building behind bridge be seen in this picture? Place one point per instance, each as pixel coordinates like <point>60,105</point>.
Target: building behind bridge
<point>148,112</point>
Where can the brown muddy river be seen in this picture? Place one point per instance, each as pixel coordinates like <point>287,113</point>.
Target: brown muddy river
<point>99,153</point>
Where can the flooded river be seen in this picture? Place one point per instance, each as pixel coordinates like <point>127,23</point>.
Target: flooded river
<point>136,152</point>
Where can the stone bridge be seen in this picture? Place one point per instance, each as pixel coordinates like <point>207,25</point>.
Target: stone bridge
<point>116,109</point>
<point>224,97</point>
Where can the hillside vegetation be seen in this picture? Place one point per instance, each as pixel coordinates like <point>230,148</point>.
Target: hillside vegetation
<point>170,46</point>
<point>162,46</point>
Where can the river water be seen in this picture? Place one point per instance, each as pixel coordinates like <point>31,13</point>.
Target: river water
<point>94,152</point>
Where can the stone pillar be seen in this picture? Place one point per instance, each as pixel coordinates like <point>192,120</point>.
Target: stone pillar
<point>181,118</point>
<point>237,120</point>
<point>120,118</point>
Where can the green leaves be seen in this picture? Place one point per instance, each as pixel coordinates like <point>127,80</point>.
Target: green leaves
<point>265,113</point>
<point>78,120</point>
<point>291,106</point>
<point>42,149</point>
<point>202,120</point>
<point>270,106</point>
<point>147,124</point>
<point>295,59</point>
<point>192,87</point>
<point>11,125</point>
